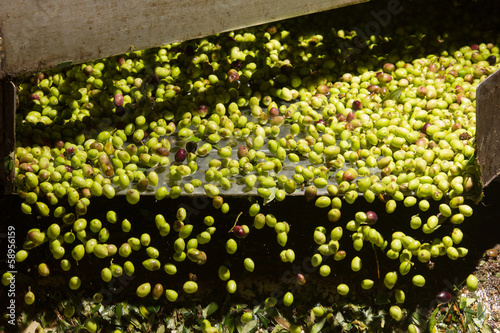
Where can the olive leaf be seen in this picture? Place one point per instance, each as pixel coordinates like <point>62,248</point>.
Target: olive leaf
<point>249,326</point>
<point>211,308</point>
<point>318,326</point>
<point>394,95</point>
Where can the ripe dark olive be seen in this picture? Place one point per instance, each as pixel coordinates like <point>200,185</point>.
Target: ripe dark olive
<point>301,279</point>
<point>233,76</point>
<point>491,60</point>
<point>310,193</point>
<point>356,105</point>
<point>274,112</point>
<point>180,155</point>
<point>162,151</point>
<point>242,151</point>
<point>238,231</point>
<point>202,110</point>
<point>34,97</point>
<point>443,297</point>
<point>191,147</point>
<point>118,100</point>
<point>351,116</point>
<point>424,128</point>
<point>371,217</point>
<point>321,121</point>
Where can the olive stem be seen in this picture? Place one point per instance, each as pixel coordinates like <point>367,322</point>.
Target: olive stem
<point>235,222</point>
<point>376,260</point>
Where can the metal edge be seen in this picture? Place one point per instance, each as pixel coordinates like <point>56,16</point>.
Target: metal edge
<point>487,128</point>
<point>7,134</point>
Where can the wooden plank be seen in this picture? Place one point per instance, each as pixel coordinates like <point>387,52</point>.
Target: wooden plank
<point>488,128</point>
<point>40,34</point>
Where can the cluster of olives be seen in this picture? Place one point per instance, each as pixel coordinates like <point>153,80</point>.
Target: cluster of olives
<point>264,112</point>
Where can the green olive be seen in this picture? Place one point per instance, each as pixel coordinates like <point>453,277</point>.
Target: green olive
<point>231,286</point>
<point>472,283</point>
<point>143,290</point>
<point>190,287</point>
<point>171,295</point>
<point>288,299</point>
<point>396,313</point>
<point>343,289</point>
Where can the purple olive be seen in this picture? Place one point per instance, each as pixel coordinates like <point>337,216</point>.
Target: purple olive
<point>274,112</point>
<point>233,75</point>
<point>34,97</point>
<point>491,60</point>
<point>321,121</point>
<point>371,217</point>
<point>180,155</point>
<point>70,150</point>
<point>191,146</point>
<point>388,67</point>
<point>202,110</point>
<point>301,280</point>
<point>340,117</point>
<point>120,61</point>
<point>424,129</point>
<point>443,297</point>
<point>242,151</point>
<point>356,105</point>
<point>118,99</point>
<point>238,231</point>
<point>350,116</point>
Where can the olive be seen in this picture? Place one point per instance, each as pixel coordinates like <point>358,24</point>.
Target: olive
<point>472,283</point>
<point>396,313</point>
<point>143,290</point>
<point>343,289</point>
<point>288,299</point>
<point>443,297</point>
<point>171,295</point>
<point>367,284</point>
<point>231,286</point>
<point>390,279</point>
<point>181,155</point>
<point>157,291</point>
<point>249,264</point>
<point>75,283</point>
<point>29,297</point>
<point>190,287</point>
<point>418,280</point>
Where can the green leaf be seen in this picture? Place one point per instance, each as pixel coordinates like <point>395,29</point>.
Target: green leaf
<point>432,319</point>
<point>211,308</point>
<point>238,326</point>
<point>339,318</point>
<point>249,326</point>
<point>263,319</point>
<point>486,329</point>
<point>272,196</point>
<point>95,309</point>
<point>318,326</point>
<point>119,311</point>
<point>153,308</point>
<point>229,324</point>
<point>481,311</point>
<point>394,95</point>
